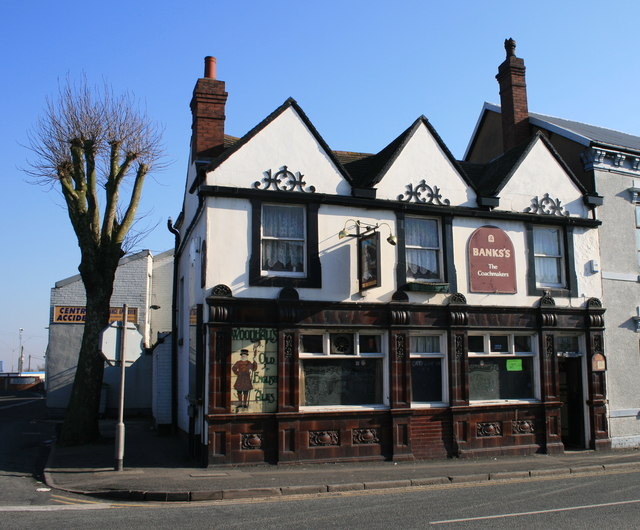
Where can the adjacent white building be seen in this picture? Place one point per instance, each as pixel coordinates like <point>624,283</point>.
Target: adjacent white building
<point>144,283</point>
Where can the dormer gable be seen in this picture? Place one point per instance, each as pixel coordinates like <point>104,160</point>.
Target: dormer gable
<point>283,152</point>
<point>533,178</point>
<point>420,168</point>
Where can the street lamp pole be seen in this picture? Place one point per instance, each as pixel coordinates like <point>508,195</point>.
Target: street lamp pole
<point>21,351</point>
<point>119,460</point>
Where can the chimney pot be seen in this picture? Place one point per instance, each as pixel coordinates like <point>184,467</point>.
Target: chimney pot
<point>510,47</point>
<point>210,67</point>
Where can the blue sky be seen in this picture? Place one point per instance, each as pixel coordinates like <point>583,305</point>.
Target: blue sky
<point>361,70</point>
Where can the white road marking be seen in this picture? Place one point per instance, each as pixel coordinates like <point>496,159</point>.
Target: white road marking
<point>18,404</point>
<point>537,512</point>
<point>55,508</point>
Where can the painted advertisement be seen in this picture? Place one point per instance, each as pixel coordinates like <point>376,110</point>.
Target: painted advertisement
<point>254,370</point>
<point>67,314</point>
<point>492,261</point>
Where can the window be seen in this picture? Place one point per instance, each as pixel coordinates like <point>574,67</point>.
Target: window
<point>638,233</point>
<point>283,247</point>
<point>423,250</point>
<point>568,344</point>
<point>428,370</point>
<point>342,369</point>
<point>502,367</point>
<point>549,261</point>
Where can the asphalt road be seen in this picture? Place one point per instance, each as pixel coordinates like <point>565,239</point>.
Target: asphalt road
<point>24,434</point>
<point>610,500</point>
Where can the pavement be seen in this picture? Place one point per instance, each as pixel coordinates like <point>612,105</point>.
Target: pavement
<point>156,468</point>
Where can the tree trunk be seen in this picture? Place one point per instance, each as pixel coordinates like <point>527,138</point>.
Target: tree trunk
<point>81,418</point>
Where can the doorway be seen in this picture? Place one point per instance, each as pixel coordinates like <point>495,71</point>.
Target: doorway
<point>572,412</point>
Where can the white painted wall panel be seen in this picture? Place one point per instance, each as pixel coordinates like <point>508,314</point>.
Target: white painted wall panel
<point>422,158</point>
<point>285,141</point>
<point>540,173</point>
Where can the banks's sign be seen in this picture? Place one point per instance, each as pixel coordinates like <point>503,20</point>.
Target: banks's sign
<point>492,261</point>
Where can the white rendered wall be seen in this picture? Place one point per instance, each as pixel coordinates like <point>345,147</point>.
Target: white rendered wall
<point>190,294</point>
<point>284,141</point>
<point>540,173</point>
<point>423,158</point>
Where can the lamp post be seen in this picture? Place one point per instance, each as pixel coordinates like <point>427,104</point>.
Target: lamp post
<point>20,351</point>
<point>119,456</point>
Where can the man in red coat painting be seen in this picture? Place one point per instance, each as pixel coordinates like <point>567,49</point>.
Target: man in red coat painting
<point>243,369</point>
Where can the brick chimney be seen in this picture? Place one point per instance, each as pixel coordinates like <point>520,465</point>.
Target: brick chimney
<point>513,98</point>
<point>207,109</point>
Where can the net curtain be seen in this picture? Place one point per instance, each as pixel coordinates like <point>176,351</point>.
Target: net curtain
<point>283,238</point>
<point>422,262</point>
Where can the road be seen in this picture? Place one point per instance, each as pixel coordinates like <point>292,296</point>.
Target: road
<point>578,501</point>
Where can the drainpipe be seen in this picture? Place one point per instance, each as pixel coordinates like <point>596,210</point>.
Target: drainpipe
<point>174,329</point>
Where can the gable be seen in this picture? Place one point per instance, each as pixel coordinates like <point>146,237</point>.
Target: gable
<point>540,173</point>
<point>485,143</point>
<point>423,158</point>
<point>285,140</point>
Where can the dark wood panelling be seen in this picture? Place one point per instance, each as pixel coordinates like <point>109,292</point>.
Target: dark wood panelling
<point>464,428</point>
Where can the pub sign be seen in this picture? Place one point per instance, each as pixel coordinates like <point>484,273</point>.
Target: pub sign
<point>492,261</point>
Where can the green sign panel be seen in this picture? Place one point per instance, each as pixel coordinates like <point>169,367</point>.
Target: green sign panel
<point>514,365</point>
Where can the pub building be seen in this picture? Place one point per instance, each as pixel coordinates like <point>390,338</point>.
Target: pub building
<point>401,305</point>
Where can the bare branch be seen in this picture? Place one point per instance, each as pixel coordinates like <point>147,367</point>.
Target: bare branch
<point>136,193</point>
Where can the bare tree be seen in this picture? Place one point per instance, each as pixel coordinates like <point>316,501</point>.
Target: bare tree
<point>90,143</point>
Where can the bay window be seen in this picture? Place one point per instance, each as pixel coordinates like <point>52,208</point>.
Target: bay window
<point>342,369</point>
<point>502,367</point>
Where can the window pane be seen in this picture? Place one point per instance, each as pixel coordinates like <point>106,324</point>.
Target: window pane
<point>476,343</point>
<point>423,264</point>
<point>499,343</point>
<point>370,344</point>
<point>522,343</point>
<point>568,344</point>
<point>341,381</point>
<point>546,241</point>
<point>426,380</point>
<point>425,344</point>
<point>341,343</point>
<point>548,271</point>
<point>421,233</point>
<point>501,378</point>
<point>637,216</point>
<point>311,344</point>
<point>283,221</point>
<point>282,256</point>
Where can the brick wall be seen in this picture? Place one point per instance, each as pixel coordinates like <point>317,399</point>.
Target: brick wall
<point>431,434</point>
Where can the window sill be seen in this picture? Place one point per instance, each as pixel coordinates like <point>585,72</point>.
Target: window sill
<point>342,408</point>
<point>434,405</point>
<point>498,402</point>
<point>427,287</point>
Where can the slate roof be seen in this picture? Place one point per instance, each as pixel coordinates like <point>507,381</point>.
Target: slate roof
<point>583,133</point>
<point>598,135</point>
